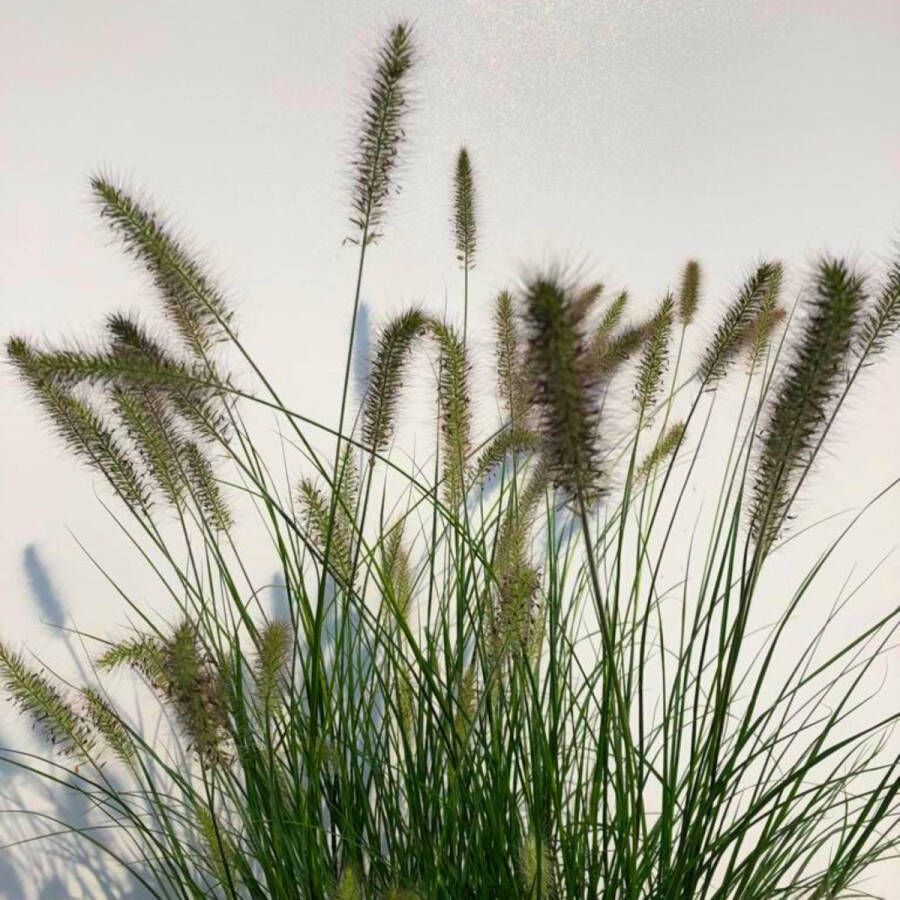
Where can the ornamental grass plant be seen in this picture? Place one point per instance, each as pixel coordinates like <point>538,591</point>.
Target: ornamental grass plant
<point>520,665</point>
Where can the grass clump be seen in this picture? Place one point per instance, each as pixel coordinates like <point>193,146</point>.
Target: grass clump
<point>521,667</point>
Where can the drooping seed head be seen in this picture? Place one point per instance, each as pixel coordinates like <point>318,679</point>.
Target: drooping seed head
<point>43,702</point>
<point>196,690</point>
<point>190,298</point>
<point>80,424</point>
<point>392,351</point>
<point>107,722</point>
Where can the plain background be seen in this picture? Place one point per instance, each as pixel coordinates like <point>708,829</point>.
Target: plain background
<point>619,136</point>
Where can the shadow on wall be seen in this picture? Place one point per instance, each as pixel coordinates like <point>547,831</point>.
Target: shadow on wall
<point>39,858</point>
<point>362,351</point>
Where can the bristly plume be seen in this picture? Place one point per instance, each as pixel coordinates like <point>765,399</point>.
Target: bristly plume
<point>129,338</point>
<point>563,379</point>
<point>510,549</point>
<point>801,405</point>
<point>667,445</point>
<point>455,409</point>
<point>272,665</point>
<point>81,427</point>
<point>611,355</point>
<point>347,495</point>
<point>608,350</point>
<point>108,724</point>
<point>204,486</point>
<point>588,296</point>
<point>516,613</point>
<point>738,317</point>
<point>509,441</point>
<point>350,884</point>
<point>195,688</point>
<point>382,133</point>
<point>610,321</point>
<point>395,341</point>
<point>42,701</point>
<point>218,846</point>
<point>70,367</point>
<point>882,320</point>
<point>758,334</point>
<point>191,395</point>
<point>655,356</point>
<point>148,414</point>
<point>511,383</point>
<point>143,653</point>
<point>191,301</point>
<point>339,532</point>
<point>466,705</point>
<point>396,571</point>
<point>464,211</point>
<point>152,431</point>
<point>144,410</point>
<point>537,869</point>
<point>689,292</point>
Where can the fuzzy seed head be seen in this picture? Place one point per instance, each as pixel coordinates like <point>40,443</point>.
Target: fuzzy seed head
<point>689,292</point>
<point>394,345</point>
<point>562,383</point>
<point>655,356</point>
<point>39,699</point>
<point>730,335</point>
<point>464,211</point>
<point>800,408</point>
<point>190,299</point>
<point>381,133</point>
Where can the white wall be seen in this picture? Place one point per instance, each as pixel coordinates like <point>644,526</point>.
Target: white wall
<point>621,136</point>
